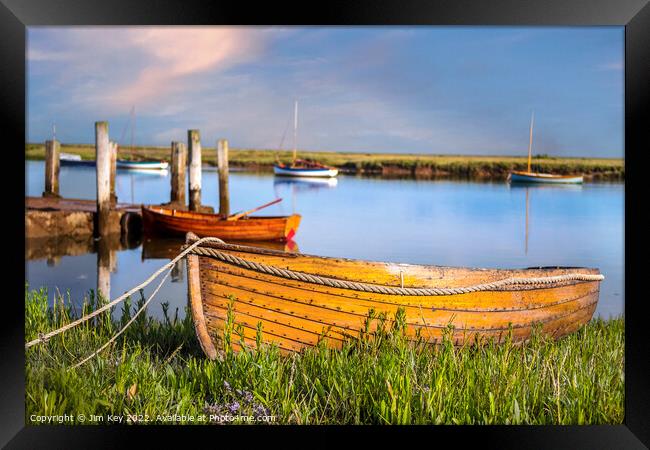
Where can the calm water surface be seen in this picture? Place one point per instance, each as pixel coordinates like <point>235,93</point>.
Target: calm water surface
<point>454,223</point>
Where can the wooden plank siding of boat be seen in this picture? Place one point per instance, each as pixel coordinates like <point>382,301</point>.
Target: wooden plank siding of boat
<point>296,314</point>
<point>260,228</point>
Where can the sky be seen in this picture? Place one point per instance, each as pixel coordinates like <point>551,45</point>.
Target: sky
<point>432,90</point>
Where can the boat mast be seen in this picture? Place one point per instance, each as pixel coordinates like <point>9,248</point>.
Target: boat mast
<point>295,129</point>
<point>132,127</point>
<point>530,142</point>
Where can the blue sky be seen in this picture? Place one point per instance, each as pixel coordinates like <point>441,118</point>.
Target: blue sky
<point>437,90</point>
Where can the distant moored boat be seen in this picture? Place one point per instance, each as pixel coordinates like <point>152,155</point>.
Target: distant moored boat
<point>67,159</point>
<point>146,165</point>
<point>528,176</point>
<point>70,159</point>
<point>300,167</point>
<point>532,177</point>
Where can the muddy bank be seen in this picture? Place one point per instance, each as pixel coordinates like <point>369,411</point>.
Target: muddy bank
<point>493,171</point>
<point>389,165</point>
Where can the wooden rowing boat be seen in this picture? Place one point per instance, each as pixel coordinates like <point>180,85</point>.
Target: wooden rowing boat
<point>331,298</point>
<point>169,221</point>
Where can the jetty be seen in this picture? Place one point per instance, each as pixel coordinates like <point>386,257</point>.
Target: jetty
<point>51,216</point>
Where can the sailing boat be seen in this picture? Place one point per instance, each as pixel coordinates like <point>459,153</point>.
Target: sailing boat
<point>535,177</point>
<point>70,159</point>
<point>138,165</point>
<point>300,167</point>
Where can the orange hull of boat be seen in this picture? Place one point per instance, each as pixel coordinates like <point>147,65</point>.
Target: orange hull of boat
<point>298,314</point>
<point>165,221</point>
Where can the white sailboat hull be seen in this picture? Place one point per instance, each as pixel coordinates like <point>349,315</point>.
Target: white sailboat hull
<point>310,173</point>
<point>532,177</point>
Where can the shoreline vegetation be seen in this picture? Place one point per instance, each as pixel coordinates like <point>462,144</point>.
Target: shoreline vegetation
<point>378,164</point>
<point>156,373</point>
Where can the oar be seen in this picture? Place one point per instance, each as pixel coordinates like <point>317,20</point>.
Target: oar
<point>245,213</point>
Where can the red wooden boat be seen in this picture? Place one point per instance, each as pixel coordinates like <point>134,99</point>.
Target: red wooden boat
<point>168,221</point>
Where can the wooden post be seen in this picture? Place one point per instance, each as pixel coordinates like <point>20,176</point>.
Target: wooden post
<point>194,144</point>
<point>52,166</point>
<point>222,161</point>
<point>179,163</point>
<point>103,168</point>
<point>104,269</point>
<point>113,146</point>
<point>177,271</point>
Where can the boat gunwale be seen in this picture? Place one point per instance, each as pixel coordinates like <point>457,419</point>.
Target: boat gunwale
<point>210,217</point>
<point>280,253</point>
<point>306,169</point>
<point>543,175</point>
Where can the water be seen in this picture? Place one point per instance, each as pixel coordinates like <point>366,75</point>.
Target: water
<point>454,223</point>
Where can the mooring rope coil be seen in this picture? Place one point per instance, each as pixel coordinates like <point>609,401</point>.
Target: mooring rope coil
<point>308,278</point>
<point>389,290</point>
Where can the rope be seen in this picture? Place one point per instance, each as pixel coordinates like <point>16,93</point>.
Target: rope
<point>111,340</point>
<point>44,337</point>
<point>390,290</point>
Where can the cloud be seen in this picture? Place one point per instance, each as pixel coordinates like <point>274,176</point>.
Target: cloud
<point>114,68</point>
<point>176,55</point>
<point>362,89</point>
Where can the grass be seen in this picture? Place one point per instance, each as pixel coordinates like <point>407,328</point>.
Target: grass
<point>156,372</point>
<point>420,165</point>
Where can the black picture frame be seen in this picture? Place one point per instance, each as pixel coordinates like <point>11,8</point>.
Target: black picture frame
<point>16,15</point>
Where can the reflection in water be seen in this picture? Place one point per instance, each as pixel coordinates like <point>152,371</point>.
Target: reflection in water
<point>148,172</point>
<point>135,174</point>
<point>546,187</point>
<point>301,186</point>
<point>154,247</point>
<point>53,248</point>
<point>305,184</point>
<point>527,206</point>
<point>529,187</point>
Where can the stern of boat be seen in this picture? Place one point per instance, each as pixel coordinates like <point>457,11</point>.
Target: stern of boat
<point>291,226</point>
<point>195,299</point>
